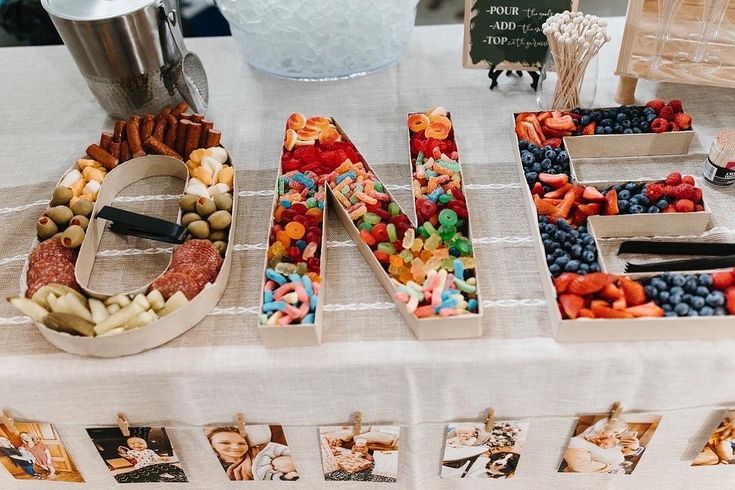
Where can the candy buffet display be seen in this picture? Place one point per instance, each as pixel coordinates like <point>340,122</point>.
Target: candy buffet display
<point>571,213</point>
<point>55,282</point>
<point>429,267</point>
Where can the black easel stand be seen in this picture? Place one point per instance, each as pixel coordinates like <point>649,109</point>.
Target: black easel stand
<point>494,74</point>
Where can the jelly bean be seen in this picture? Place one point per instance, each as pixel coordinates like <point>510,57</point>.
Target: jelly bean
<point>387,248</point>
<point>380,232</point>
<point>448,217</point>
<point>311,202</point>
<point>392,233</point>
<point>371,218</point>
<point>367,237</point>
<point>295,230</point>
<point>394,209</point>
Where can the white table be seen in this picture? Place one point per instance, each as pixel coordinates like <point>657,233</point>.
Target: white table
<point>370,360</point>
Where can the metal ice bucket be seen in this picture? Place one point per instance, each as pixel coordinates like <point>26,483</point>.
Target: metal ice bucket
<point>131,53</point>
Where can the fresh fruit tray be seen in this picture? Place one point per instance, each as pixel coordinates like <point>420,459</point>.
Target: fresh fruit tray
<point>55,282</point>
<point>428,267</point>
<point>588,302</point>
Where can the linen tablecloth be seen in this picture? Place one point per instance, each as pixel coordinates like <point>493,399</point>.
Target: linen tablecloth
<point>369,361</point>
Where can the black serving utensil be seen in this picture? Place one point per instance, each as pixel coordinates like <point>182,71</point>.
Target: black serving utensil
<point>135,224</point>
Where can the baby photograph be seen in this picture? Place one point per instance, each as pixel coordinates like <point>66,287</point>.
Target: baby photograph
<point>262,453</point>
<point>146,456</point>
<point>604,445</point>
<point>34,452</point>
<point>472,452</point>
<point>720,446</point>
<point>371,455</point>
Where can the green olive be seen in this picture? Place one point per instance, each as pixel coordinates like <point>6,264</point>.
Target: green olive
<point>223,201</point>
<point>62,195</point>
<point>60,214</point>
<point>188,202</point>
<point>80,220</point>
<point>58,235</point>
<point>46,228</point>
<point>219,220</point>
<point>72,236</point>
<point>199,229</point>
<point>218,235</point>
<point>220,246</point>
<point>189,217</point>
<point>205,207</point>
<point>82,207</point>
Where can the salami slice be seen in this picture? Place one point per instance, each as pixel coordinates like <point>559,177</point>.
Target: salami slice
<point>199,254</point>
<point>200,277</point>
<point>171,282</point>
<point>52,248</point>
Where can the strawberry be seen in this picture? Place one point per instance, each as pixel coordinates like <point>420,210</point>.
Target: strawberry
<point>558,193</point>
<point>667,113</point>
<point>538,189</point>
<point>676,105</point>
<point>566,205</point>
<point>554,180</point>
<point>687,179</point>
<point>593,194</point>
<point>601,311</point>
<point>533,134</point>
<point>552,133</point>
<point>570,305</point>
<point>655,191</point>
<point>563,123</point>
<point>659,125</point>
<point>591,209</point>
<point>635,294</point>
<point>589,129</point>
<point>730,301</point>
<point>585,313</point>
<point>698,208</point>
<point>611,204</point>
<point>543,207</point>
<point>656,105</point>
<point>674,178</point>
<point>591,283</point>
<point>620,304</point>
<point>612,292</point>
<point>722,280</point>
<point>669,209</point>
<point>562,282</point>
<point>684,206</point>
<point>542,116</point>
<point>553,142</point>
<point>684,121</point>
<point>646,310</point>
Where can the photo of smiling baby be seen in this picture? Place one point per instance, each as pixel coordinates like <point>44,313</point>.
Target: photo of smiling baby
<point>472,452</point>
<point>262,453</point>
<point>145,456</point>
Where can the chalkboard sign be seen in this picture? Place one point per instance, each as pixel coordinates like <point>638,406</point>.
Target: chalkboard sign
<point>506,34</point>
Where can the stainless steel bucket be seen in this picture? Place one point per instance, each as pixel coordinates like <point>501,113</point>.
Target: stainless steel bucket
<point>131,53</point>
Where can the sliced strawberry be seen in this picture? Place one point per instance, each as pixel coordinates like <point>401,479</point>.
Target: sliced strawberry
<point>593,194</point>
<point>554,180</point>
<point>579,218</point>
<point>611,292</point>
<point>635,293</point>
<point>534,135</point>
<point>553,142</point>
<point>589,130</point>
<point>538,189</point>
<point>611,203</point>
<point>599,302</point>
<point>570,305</point>
<point>544,208</point>
<point>566,205</point>
<point>644,310</point>
<point>585,313</point>
<point>620,304</point>
<point>730,301</point>
<point>722,280</point>
<point>553,133</point>
<point>561,283</point>
<point>591,209</point>
<point>607,312</point>
<point>558,193</point>
<point>542,116</point>
<point>591,283</point>
<point>522,132</point>
<point>563,123</point>
<point>687,179</point>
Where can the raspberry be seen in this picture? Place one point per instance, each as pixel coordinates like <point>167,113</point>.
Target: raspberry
<point>656,105</point>
<point>684,206</point>
<point>655,191</point>
<point>697,195</point>
<point>684,121</point>
<point>659,125</point>
<point>676,105</point>
<point>687,179</point>
<point>722,280</point>
<point>730,298</point>
<point>674,178</point>
<point>683,191</point>
<point>667,113</point>
<point>675,127</point>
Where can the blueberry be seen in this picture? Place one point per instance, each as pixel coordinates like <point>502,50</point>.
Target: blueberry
<point>636,209</point>
<point>532,146</point>
<point>670,313</point>
<point>623,205</point>
<point>563,224</point>
<point>706,311</point>
<point>690,286</point>
<point>595,267</point>
<point>643,199</point>
<point>637,131</point>
<point>584,268</point>
<point>667,307</point>
<point>687,298</point>
<point>550,154</point>
<point>527,158</point>
<point>675,299</point>
<point>576,251</point>
<point>705,280</point>
<point>659,283</point>
<point>682,309</point>
<point>676,290</point>
<point>589,256</point>
<point>720,311</point>
<point>572,266</point>
<point>702,291</point>
<point>653,210</point>
<point>697,302</point>
<point>662,204</point>
<point>626,124</point>
<point>663,296</point>
<point>715,299</point>
<point>545,166</point>
<point>634,200</point>
<point>555,269</point>
<point>531,177</point>
<point>560,236</point>
<point>624,194</point>
<point>546,161</point>
<point>562,157</point>
<point>608,130</point>
<point>558,252</point>
<point>523,145</point>
<point>562,261</point>
<point>550,259</point>
<point>678,280</point>
<point>631,186</point>
<point>621,117</point>
<point>618,129</point>
<point>651,117</point>
<point>586,120</point>
<point>692,313</point>
<point>606,122</point>
<point>590,248</point>
<point>599,130</point>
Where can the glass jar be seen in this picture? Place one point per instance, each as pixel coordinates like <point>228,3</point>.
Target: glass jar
<point>320,40</point>
<point>580,89</point>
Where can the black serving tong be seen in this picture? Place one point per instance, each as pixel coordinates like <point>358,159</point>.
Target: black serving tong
<point>722,255</point>
<point>134,224</point>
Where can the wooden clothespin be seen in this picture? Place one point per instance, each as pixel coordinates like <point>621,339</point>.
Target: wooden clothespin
<point>615,411</point>
<point>122,422</point>
<point>241,424</point>
<point>490,420</point>
<point>357,424</point>
<point>7,421</point>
